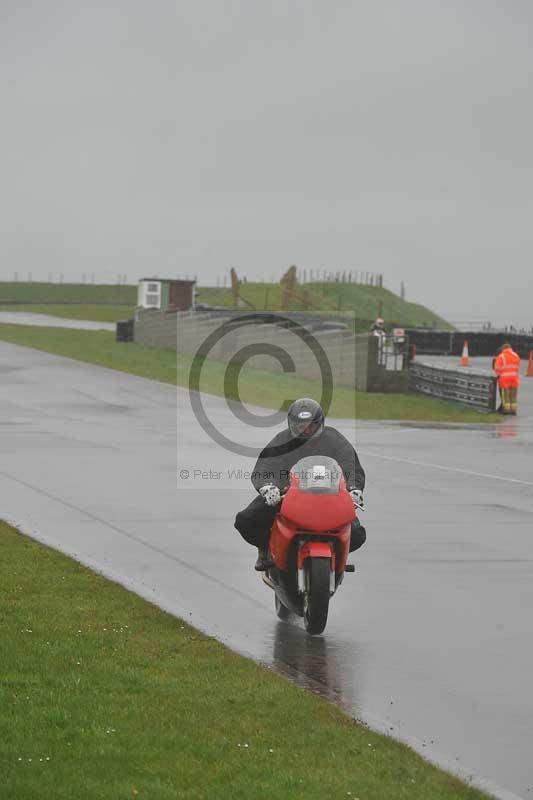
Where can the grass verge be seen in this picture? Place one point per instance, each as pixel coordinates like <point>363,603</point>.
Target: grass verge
<point>363,302</point>
<point>40,292</point>
<point>255,386</point>
<point>353,300</point>
<point>87,311</point>
<point>104,695</point>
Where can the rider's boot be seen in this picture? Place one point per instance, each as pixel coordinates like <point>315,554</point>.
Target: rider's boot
<point>263,560</point>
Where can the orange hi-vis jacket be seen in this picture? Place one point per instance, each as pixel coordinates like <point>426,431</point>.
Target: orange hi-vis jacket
<point>507,368</point>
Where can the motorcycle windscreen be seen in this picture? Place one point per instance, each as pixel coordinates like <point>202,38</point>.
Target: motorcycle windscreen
<point>318,475</point>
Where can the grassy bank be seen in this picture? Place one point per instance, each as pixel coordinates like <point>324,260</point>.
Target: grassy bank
<point>352,300</point>
<point>363,302</point>
<point>255,386</point>
<point>105,696</point>
<point>58,293</point>
<point>367,300</point>
<point>95,312</point>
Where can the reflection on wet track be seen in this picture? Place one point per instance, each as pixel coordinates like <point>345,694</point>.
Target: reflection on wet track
<point>314,662</point>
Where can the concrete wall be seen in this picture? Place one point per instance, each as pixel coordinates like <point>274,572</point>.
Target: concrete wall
<point>155,328</point>
<point>353,359</point>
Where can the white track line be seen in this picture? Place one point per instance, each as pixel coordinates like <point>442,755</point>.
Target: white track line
<point>446,469</point>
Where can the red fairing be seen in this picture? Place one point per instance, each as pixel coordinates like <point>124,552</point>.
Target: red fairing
<point>281,536</point>
<point>317,512</point>
<point>342,548</point>
<point>283,533</point>
<point>315,550</point>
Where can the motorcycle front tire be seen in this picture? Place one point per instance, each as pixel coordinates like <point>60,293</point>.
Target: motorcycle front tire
<point>316,599</point>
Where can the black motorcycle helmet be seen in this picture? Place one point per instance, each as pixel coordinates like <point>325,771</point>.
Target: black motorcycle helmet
<point>305,418</point>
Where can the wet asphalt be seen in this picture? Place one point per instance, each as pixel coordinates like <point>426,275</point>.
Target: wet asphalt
<point>429,641</point>
<point>49,321</point>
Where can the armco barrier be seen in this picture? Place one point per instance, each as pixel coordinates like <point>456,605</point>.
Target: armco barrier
<point>480,343</point>
<point>469,387</point>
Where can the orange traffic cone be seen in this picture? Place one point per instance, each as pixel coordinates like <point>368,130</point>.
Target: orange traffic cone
<point>465,360</point>
<point>529,372</point>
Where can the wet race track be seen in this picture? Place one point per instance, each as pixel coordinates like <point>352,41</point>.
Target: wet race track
<point>47,321</point>
<point>430,640</point>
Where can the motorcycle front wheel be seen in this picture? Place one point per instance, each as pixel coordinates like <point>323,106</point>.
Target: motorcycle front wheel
<point>316,598</point>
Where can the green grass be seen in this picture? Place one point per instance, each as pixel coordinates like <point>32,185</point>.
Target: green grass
<point>264,296</point>
<point>348,299</point>
<point>330,298</point>
<point>58,293</point>
<point>366,301</point>
<point>105,696</point>
<point>255,386</point>
<point>98,313</point>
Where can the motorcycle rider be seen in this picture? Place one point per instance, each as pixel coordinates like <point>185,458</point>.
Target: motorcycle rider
<point>306,435</point>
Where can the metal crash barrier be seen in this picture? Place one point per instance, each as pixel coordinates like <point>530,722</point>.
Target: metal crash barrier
<point>469,387</point>
<point>480,343</point>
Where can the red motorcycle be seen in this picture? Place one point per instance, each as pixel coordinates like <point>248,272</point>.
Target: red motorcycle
<point>310,541</point>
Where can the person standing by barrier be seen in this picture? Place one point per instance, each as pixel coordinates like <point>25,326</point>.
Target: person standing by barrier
<point>378,329</point>
<point>507,369</point>
<point>499,410</point>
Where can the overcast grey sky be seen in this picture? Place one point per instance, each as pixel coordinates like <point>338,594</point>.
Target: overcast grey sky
<point>185,137</point>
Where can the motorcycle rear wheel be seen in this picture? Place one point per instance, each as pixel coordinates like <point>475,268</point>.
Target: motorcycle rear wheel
<point>316,598</point>
<point>282,611</point>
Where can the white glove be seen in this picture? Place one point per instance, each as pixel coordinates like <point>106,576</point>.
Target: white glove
<point>270,494</point>
<point>357,497</point>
